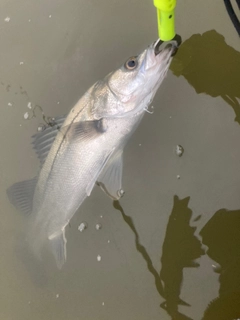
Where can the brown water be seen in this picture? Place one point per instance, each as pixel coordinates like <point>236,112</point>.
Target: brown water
<point>170,249</point>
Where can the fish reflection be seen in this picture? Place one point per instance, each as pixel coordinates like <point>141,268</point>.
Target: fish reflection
<point>180,249</point>
<point>211,66</point>
<point>221,235</point>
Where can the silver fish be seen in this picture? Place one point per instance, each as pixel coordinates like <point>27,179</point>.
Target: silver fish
<point>86,148</point>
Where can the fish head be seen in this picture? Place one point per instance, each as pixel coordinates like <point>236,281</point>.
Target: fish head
<point>136,82</point>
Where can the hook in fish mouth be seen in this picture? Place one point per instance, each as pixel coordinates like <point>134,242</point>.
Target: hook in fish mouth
<point>157,45</point>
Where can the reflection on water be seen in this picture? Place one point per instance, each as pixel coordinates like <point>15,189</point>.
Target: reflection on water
<point>211,66</point>
<point>180,249</point>
<point>221,235</point>
<point>224,308</point>
<point>140,248</point>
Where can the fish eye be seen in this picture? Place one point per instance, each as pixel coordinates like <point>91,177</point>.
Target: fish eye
<point>131,63</point>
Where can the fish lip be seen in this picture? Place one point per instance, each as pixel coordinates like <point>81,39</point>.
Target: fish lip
<point>169,46</point>
<point>156,46</point>
<point>175,49</point>
<point>173,44</point>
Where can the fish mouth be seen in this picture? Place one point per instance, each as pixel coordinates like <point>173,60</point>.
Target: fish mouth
<point>173,45</point>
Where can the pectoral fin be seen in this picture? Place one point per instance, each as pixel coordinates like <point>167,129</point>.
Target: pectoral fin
<point>84,130</point>
<point>110,179</point>
<point>101,168</point>
<point>58,244</point>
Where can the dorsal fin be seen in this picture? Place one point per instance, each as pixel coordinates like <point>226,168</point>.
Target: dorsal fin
<point>43,141</point>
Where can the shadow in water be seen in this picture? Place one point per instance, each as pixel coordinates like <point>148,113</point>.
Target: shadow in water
<point>222,237</point>
<point>180,249</point>
<point>211,66</point>
<point>140,248</point>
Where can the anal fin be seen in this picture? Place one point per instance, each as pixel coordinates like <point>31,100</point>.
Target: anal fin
<point>21,194</point>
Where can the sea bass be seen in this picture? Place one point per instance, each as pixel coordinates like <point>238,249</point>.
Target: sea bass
<point>86,147</point>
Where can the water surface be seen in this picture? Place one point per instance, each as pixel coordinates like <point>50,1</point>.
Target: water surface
<point>170,248</point>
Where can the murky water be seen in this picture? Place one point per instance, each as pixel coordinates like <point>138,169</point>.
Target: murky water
<point>170,248</point>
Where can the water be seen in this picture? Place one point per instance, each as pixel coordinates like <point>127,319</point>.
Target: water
<point>160,242</point>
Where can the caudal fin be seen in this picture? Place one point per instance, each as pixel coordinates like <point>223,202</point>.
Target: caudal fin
<point>58,245</point>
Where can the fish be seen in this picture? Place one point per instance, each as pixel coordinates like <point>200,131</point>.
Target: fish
<point>85,148</point>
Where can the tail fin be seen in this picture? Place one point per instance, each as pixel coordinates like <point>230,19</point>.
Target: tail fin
<point>58,243</point>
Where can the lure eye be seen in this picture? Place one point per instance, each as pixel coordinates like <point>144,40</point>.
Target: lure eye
<point>131,63</point>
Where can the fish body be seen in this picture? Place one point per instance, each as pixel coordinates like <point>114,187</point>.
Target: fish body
<point>86,148</point>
